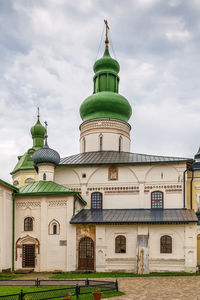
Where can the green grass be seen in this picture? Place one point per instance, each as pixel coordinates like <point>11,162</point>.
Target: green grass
<point>9,276</point>
<point>7,290</point>
<point>70,275</point>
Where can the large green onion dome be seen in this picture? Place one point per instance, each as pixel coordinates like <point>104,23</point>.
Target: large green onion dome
<point>105,101</point>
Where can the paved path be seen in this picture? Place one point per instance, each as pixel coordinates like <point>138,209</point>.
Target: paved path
<point>150,288</point>
<point>159,288</point>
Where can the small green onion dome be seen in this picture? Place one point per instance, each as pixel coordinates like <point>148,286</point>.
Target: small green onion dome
<point>106,63</point>
<point>38,130</point>
<point>105,105</point>
<point>46,155</point>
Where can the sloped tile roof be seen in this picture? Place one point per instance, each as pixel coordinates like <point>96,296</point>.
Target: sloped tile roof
<point>151,216</point>
<point>114,157</point>
<point>41,188</point>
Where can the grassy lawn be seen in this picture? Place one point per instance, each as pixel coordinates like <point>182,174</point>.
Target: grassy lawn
<point>9,276</point>
<point>4,290</point>
<point>69,275</point>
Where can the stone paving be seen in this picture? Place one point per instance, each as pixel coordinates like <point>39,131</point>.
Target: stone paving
<point>150,288</point>
<point>159,288</point>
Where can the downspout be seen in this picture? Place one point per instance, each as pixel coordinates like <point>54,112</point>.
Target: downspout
<point>74,205</point>
<point>191,189</point>
<point>184,189</point>
<point>13,232</point>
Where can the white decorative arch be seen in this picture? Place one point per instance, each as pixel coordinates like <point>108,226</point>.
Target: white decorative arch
<point>160,165</point>
<point>26,240</point>
<point>53,223</point>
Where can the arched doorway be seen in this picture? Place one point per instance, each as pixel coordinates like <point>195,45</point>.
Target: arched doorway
<point>86,254</point>
<point>26,252</point>
<point>198,250</point>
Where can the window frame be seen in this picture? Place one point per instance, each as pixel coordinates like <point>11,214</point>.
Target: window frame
<point>96,205</point>
<point>120,244</point>
<point>28,224</point>
<point>53,223</point>
<point>166,244</point>
<point>155,203</point>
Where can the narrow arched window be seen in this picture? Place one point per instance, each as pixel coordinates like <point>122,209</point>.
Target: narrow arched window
<point>28,224</point>
<point>157,199</point>
<point>101,143</point>
<point>120,144</point>
<point>96,200</point>
<point>44,176</point>
<point>120,244</point>
<point>165,244</point>
<point>83,145</point>
<point>54,229</point>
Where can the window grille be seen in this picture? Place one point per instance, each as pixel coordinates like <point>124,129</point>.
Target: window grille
<point>28,224</point>
<point>157,199</point>
<point>96,200</point>
<point>120,244</point>
<point>165,244</point>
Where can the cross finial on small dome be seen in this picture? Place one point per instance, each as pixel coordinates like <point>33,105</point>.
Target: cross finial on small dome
<point>38,115</point>
<point>46,136</point>
<point>107,28</point>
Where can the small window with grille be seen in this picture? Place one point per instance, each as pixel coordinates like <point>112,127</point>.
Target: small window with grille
<point>120,244</point>
<point>96,200</point>
<point>157,199</point>
<point>28,224</point>
<point>165,244</point>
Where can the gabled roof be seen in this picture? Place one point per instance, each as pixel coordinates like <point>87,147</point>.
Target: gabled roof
<point>46,188</point>
<point>115,157</point>
<point>24,162</point>
<point>134,216</point>
<point>8,185</point>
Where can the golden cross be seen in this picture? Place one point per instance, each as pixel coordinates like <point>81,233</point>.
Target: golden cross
<point>107,28</point>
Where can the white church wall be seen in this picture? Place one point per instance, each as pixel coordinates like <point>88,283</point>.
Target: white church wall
<point>174,261</point>
<point>67,176</point>
<point>5,228</point>
<point>52,250</point>
<point>120,261</point>
<point>133,187</point>
<point>182,258</point>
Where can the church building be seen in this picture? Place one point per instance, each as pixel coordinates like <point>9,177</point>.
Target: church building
<point>105,208</point>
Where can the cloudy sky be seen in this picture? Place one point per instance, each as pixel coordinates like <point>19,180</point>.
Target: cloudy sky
<point>47,51</point>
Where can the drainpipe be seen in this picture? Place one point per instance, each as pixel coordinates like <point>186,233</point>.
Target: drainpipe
<point>184,189</point>
<point>74,205</point>
<point>13,232</point>
<point>191,189</point>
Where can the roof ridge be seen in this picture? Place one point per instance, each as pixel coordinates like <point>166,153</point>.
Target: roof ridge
<point>124,152</point>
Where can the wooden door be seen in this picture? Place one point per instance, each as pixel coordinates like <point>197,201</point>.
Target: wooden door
<point>86,254</point>
<point>28,256</point>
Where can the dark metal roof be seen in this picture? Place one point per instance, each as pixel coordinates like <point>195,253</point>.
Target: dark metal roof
<point>114,157</point>
<point>110,216</point>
